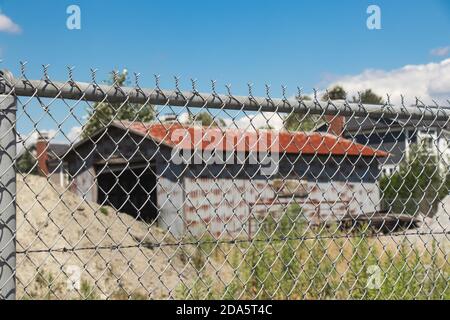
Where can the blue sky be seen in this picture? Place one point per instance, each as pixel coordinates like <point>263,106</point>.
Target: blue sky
<point>295,43</point>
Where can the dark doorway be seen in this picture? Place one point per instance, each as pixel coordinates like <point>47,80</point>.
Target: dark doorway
<point>131,191</point>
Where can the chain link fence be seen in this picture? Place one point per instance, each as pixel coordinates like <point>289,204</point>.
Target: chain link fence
<point>115,191</point>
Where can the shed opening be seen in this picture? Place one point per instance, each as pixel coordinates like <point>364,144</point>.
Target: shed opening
<point>131,191</point>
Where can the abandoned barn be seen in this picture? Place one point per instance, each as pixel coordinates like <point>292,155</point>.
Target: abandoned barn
<point>132,167</point>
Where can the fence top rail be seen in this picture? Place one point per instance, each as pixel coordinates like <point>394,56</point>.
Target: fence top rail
<point>46,88</point>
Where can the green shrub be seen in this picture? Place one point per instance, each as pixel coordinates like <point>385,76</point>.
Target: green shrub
<point>417,186</point>
<point>104,210</point>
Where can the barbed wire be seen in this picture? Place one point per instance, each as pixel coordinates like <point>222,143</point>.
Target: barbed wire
<point>153,245</point>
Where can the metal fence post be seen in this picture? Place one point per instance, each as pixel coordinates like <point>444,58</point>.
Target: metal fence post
<point>7,197</point>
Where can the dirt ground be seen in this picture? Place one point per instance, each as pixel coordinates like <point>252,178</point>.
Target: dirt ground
<point>49,218</point>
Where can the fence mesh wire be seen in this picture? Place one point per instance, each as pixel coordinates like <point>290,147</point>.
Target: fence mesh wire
<point>131,193</point>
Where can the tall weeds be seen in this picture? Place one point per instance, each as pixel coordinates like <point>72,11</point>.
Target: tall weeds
<point>288,260</point>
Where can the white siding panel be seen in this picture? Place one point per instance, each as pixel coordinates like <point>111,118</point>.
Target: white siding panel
<point>170,203</point>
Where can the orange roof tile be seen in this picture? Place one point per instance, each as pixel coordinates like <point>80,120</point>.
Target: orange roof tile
<point>204,138</point>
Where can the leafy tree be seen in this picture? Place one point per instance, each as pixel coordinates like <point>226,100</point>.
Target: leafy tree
<point>27,163</point>
<point>417,186</point>
<point>300,121</point>
<point>207,120</point>
<point>335,93</point>
<point>102,113</point>
<point>369,97</point>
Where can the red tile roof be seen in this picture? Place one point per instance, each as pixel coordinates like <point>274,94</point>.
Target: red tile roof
<point>178,135</point>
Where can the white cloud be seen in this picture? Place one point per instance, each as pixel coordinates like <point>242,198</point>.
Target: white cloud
<point>257,121</point>
<point>184,118</point>
<point>26,141</point>
<point>7,25</point>
<point>440,52</point>
<point>424,81</point>
<point>250,122</point>
<point>74,134</point>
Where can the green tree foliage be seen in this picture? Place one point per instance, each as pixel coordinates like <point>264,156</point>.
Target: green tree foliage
<point>369,97</point>
<point>300,121</point>
<point>418,185</point>
<point>27,163</point>
<point>335,93</point>
<point>102,113</point>
<point>207,120</point>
